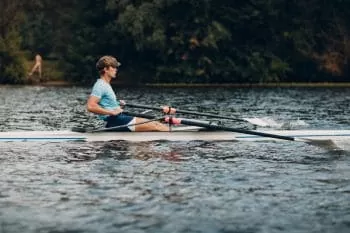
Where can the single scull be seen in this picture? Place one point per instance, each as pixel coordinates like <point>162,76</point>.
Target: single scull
<point>176,135</point>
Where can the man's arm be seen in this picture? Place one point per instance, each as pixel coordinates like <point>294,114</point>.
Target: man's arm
<point>92,106</point>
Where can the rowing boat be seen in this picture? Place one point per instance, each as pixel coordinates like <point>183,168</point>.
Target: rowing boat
<point>183,134</point>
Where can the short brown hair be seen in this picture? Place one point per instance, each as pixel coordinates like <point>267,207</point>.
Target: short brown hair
<point>107,61</point>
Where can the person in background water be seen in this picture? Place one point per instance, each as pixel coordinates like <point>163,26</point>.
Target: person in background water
<point>37,66</point>
<point>103,102</point>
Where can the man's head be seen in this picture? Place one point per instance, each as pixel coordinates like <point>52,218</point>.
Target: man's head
<point>106,62</point>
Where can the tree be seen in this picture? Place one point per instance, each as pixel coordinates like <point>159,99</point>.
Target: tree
<point>12,68</point>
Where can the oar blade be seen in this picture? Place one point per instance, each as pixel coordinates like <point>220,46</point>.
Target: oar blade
<point>323,143</point>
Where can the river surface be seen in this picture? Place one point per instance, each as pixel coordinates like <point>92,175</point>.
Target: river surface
<point>175,187</point>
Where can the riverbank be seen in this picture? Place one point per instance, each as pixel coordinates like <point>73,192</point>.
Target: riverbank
<point>250,85</point>
<point>62,83</point>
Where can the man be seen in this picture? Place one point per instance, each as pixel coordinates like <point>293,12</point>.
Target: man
<point>103,101</point>
<point>37,66</point>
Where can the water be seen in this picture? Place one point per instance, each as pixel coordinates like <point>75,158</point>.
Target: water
<point>174,186</point>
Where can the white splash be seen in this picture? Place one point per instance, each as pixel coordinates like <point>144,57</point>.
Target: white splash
<point>271,123</point>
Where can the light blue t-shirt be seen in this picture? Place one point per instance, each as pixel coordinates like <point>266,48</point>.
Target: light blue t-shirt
<point>105,93</point>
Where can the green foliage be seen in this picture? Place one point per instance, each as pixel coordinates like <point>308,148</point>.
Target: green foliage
<point>89,37</point>
<point>12,68</point>
<point>11,57</point>
<point>143,25</point>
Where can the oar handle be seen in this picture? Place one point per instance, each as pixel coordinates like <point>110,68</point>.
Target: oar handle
<point>184,112</point>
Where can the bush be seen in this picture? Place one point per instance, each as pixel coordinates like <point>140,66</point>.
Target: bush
<point>12,68</point>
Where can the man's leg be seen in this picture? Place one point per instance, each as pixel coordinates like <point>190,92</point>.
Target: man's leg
<point>149,126</point>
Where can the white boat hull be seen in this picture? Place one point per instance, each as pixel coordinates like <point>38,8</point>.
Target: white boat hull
<point>56,136</point>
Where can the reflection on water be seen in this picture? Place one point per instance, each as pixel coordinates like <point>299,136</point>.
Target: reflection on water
<point>123,150</point>
<point>165,186</point>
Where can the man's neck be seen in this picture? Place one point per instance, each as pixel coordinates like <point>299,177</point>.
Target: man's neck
<point>106,78</point>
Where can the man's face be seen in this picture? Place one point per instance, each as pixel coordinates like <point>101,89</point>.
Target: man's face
<point>111,71</point>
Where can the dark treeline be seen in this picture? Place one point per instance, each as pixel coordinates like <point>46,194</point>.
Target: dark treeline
<point>192,41</point>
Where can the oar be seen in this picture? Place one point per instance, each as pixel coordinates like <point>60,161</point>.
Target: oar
<point>321,143</point>
<point>326,143</point>
<point>254,121</point>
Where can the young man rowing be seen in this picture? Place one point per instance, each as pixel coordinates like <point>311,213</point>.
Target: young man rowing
<point>103,102</point>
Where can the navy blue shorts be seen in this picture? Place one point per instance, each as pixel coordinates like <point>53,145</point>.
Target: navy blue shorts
<point>118,120</point>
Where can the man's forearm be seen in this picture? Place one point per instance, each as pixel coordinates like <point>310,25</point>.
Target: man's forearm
<point>102,111</point>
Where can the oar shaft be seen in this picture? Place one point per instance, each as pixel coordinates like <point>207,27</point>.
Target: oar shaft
<point>185,112</point>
